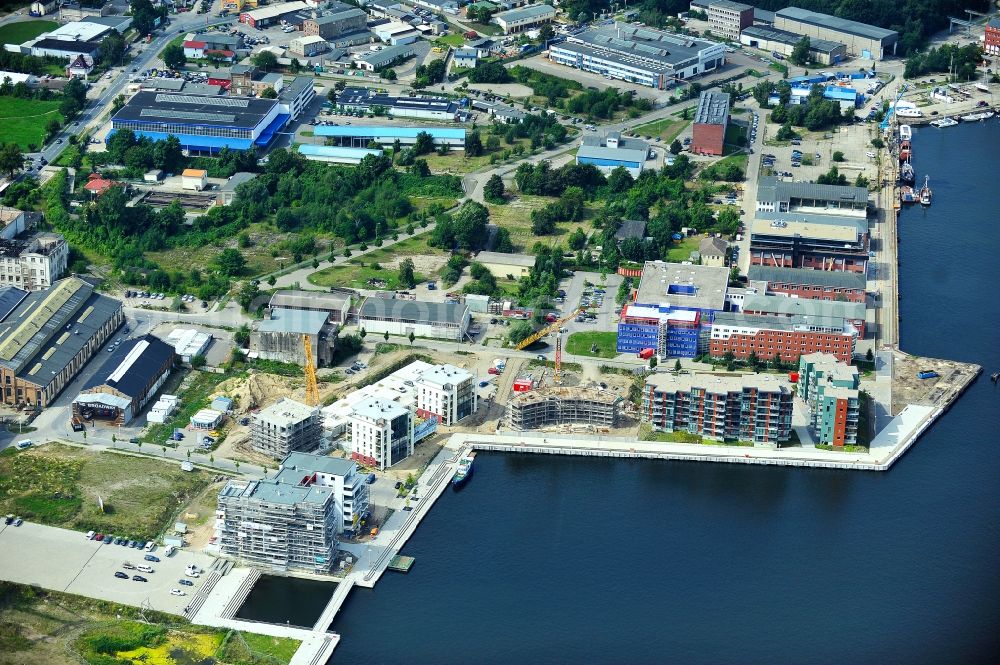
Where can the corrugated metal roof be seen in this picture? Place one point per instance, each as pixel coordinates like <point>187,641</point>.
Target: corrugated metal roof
<point>133,366</point>
<point>418,311</point>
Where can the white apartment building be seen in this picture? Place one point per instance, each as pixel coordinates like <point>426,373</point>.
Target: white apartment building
<point>447,392</point>
<point>381,433</point>
<point>350,491</point>
<point>33,263</point>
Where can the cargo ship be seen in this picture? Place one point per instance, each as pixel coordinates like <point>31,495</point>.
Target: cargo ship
<point>464,470</point>
<point>925,192</point>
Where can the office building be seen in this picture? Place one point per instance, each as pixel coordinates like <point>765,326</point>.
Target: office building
<point>991,39</point>
<point>126,381</point>
<point>335,304</point>
<point>710,121</point>
<point>284,427</point>
<point>788,338</point>
<point>673,309</point>
<point>639,54</point>
<point>830,390</point>
<point>296,96</point>
<point>279,526</point>
<point>524,18</point>
<point>337,22</point>
<point>446,392</point>
<point>810,241</point>
<point>33,261</point>
<point>781,305</point>
<point>776,195</point>
<point>308,45</point>
<point>48,336</point>
<point>613,150</point>
<point>280,337</point>
<point>381,433</point>
<point>862,40</point>
<point>755,407</point>
<point>350,491</point>
<point>728,19</point>
<point>424,319</point>
<point>810,284</point>
<point>202,123</point>
<point>368,100</point>
<point>772,40</point>
<point>555,405</point>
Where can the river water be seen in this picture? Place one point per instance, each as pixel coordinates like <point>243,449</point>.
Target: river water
<point>570,560</point>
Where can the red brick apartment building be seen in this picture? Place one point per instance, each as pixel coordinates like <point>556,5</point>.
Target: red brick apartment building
<point>810,284</point>
<point>787,337</point>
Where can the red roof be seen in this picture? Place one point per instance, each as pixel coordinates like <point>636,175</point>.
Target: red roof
<point>195,44</point>
<point>228,54</point>
<point>98,185</point>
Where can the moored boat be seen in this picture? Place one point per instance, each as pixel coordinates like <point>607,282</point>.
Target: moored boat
<point>925,192</point>
<point>907,196</point>
<point>464,470</point>
<point>906,175</point>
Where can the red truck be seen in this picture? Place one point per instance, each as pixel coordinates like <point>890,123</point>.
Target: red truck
<point>646,354</point>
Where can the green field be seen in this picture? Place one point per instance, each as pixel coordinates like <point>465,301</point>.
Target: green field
<point>359,270</point>
<point>665,128</point>
<point>450,40</point>
<point>60,485</point>
<point>24,120</point>
<point>681,251</point>
<point>581,343</point>
<point>16,33</point>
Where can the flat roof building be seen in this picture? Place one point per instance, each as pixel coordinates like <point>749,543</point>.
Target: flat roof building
<point>202,123</point>
<point>428,108</point>
<point>788,338</point>
<point>284,427</point>
<point>639,54</point>
<point>613,150</point>
<point>862,40</point>
<point>126,381</point>
<point>710,121</point>
<point>502,264</point>
<point>811,241</point>
<point>33,261</point>
<point>524,18</point>
<point>422,318</point>
<point>341,25</point>
<point>830,390</point>
<point>343,476</point>
<point>813,284</point>
<point>47,338</point>
<point>280,336</point>
<point>308,45</point>
<point>823,51</point>
<point>335,305</point>
<point>727,19</point>
<point>780,305</point>
<point>755,407</point>
<point>777,195</point>
<point>336,154</point>
<point>360,136</point>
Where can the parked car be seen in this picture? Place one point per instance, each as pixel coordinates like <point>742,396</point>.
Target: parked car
<point>177,592</point>
<point>150,557</point>
<point>185,582</point>
<point>139,578</point>
<point>128,566</point>
<point>120,575</point>
<point>90,535</point>
<point>18,521</point>
<point>143,568</point>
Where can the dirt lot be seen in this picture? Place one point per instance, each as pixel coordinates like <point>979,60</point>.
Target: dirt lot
<point>200,516</point>
<point>908,389</point>
<point>425,264</point>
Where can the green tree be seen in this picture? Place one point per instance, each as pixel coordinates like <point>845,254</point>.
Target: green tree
<point>173,56</point>
<point>386,336</point>
<point>265,60</point>
<point>503,242</point>
<point>494,190</point>
<point>800,52</point>
<point>230,262</point>
<point>519,332</point>
<point>578,239</point>
<point>268,93</point>
<point>473,144</point>
<point>838,156</point>
<point>412,337</point>
<point>677,365</point>
<point>11,159</point>
<point>423,144</point>
<point>676,147</point>
<point>406,274</point>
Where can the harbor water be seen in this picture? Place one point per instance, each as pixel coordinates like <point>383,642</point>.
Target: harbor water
<point>297,602</point>
<point>574,560</point>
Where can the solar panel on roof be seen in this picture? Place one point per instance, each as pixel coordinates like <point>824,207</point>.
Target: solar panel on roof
<point>231,102</point>
<point>652,50</point>
<point>186,115</point>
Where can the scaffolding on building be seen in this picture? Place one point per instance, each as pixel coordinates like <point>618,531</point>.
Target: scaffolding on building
<point>559,406</point>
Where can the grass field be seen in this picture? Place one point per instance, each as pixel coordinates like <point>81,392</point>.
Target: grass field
<point>455,40</point>
<point>59,485</point>
<point>681,251</point>
<point>581,343</point>
<point>665,128</point>
<point>16,33</point>
<point>24,120</point>
<point>359,269</point>
<point>40,627</point>
<point>515,216</point>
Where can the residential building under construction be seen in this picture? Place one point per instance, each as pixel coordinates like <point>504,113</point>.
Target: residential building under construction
<point>285,427</point>
<point>561,406</point>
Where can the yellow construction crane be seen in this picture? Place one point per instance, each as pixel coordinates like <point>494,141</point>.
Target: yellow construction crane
<point>312,388</point>
<point>555,325</point>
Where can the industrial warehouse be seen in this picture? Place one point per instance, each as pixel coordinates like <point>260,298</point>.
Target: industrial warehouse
<point>639,54</point>
<point>125,382</point>
<point>360,136</point>
<point>48,336</point>
<point>563,406</point>
<point>426,108</point>
<point>423,319</point>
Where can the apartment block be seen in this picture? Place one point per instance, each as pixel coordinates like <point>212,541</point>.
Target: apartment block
<point>284,427</point>
<point>447,392</point>
<point>788,338</point>
<point>830,390</point>
<point>562,406</point>
<point>350,491</point>
<point>33,262</point>
<point>754,407</point>
<point>278,525</point>
<point>381,432</point>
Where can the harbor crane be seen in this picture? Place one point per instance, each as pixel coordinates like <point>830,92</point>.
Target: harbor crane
<point>312,387</point>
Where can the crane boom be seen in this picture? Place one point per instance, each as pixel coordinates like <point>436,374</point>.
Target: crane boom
<point>312,387</point>
<point>538,334</point>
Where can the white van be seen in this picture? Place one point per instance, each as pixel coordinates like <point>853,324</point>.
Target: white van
<point>143,568</point>
<point>23,445</point>
<point>150,546</point>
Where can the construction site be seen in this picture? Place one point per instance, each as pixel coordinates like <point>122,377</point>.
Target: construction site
<point>586,408</point>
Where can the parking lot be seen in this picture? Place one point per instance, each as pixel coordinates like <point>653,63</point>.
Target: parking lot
<point>66,561</point>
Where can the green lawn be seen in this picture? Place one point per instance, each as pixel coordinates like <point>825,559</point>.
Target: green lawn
<point>665,128</point>
<point>16,33</point>
<point>450,40</point>
<point>24,120</point>
<point>359,269</point>
<point>681,251</point>
<point>581,343</point>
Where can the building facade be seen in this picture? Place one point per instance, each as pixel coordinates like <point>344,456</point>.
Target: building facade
<point>285,427</point>
<point>280,337</point>
<point>708,135</point>
<point>810,284</point>
<point>524,18</point>
<point>350,491</point>
<point>448,321</point>
<point>830,390</point>
<point>381,433</point>
<point>447,393</point>
<point>308,45</point>
<point>727,19</point>
<point>330,26</point>
<point>34,262</point>
<point>562,406</point>
<point>991,40</point>
<point>862,40</point>
<point>788,338</point>
<point>755,407</point>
